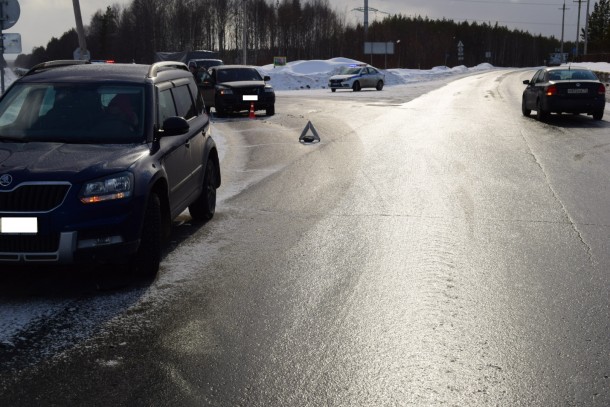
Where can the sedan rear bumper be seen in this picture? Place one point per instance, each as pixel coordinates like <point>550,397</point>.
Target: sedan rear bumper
<point>559,105</point>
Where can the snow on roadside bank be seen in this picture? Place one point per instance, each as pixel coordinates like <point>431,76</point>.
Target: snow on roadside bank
<point>314,74</point>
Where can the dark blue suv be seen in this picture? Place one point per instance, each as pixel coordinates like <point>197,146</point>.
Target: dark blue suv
<point>96,160</point>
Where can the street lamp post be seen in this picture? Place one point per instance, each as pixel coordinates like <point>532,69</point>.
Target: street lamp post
<point>80,30</point>
<point>398,51</point>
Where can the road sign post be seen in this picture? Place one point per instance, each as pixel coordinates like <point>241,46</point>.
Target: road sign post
<point>460,53</point>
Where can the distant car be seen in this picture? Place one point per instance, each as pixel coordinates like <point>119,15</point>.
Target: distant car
<point>356,77</point>
<point>97,159</point>
<point>234,88</point>
<point>564,90</point>
<point>203,64</point>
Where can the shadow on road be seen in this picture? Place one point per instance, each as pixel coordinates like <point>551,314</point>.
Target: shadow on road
<point>70,281</point>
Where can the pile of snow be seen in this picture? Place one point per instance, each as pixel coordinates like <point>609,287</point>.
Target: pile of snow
<point>314,74</point>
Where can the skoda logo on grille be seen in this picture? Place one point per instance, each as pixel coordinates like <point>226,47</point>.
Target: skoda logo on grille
<point>5,180</point>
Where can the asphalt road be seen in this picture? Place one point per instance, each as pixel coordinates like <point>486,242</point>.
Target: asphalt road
<point>435,248</point>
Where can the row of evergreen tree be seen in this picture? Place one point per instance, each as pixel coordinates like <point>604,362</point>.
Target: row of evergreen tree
<point>308,29</point>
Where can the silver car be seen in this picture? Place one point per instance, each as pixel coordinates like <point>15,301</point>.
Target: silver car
<point>356,77</point>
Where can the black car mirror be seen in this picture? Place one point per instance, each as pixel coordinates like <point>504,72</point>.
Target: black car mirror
<point>267,78</point>
<point>526,82</point>
<point>173,126</point>
<point>206,79</point>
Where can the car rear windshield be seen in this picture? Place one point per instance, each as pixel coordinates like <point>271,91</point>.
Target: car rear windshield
<point>73,113</point>
<point>571,75</point>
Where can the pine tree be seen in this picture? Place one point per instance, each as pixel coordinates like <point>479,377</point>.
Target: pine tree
<point>599,28</point>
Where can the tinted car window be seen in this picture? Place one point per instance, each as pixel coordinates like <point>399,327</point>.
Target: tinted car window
<point>72,113</point>
<point>198,98</point>
<point>166,105</point>
<point>184,102</point>
<point>240,74</point>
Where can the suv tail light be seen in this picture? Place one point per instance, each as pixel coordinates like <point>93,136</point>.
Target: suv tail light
<point>551,90</point>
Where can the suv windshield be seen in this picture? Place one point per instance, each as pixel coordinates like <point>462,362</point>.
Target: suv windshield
<point>238,74</point>
<point>73,113</point>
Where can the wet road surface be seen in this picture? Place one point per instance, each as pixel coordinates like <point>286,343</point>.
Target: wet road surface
<point>431,250</point>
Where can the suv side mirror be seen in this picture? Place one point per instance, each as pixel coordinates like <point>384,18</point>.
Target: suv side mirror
<point>267,78</point>
<point>526,82</point>
<point>173,126</point>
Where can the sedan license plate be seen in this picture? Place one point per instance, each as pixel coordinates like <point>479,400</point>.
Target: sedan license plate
<point>19,225</point>
<point>250,98</point>
<point>578,90</point>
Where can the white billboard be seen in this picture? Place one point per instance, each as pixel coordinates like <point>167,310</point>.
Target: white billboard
<point>379,48</point>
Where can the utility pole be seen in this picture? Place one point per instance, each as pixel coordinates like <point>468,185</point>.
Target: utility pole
<point>577,28</point>
<point>366,19</point>
<point>243,39</point>
<point>563,19</point>
<point>80,30</point>
<point>586,29</point>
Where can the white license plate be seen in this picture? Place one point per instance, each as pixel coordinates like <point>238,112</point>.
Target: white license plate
<point>19,225</point>
<point>578,90</point>
<point>250,98</point>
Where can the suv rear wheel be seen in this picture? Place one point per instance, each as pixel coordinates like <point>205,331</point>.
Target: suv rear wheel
<point>204,207</point>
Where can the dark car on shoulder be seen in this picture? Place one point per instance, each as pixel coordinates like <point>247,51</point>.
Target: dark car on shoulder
<point>564,89</point>
<point>235,88</point>
<point>96,160</point>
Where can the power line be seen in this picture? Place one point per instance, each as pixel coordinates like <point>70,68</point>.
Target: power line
<point>509,3</point>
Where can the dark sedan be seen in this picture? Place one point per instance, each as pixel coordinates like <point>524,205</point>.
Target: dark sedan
<point>234,88</point>
<point>564,90</point>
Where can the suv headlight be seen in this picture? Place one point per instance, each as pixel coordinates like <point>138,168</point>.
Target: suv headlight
<point>225,91</point>
<point>117,186</point>
<point>269,88</point>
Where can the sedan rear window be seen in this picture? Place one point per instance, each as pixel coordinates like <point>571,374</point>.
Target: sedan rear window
<point>571,75</point>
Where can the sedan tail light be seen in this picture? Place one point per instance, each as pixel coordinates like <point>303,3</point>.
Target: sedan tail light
<point>601,90</point>
<point>551,90</point>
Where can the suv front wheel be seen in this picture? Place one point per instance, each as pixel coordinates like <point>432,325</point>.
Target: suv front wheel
<point>146,260</point>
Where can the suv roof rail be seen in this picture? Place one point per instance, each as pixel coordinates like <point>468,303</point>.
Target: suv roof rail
<point>55,64</point>
<point>159,66</point>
